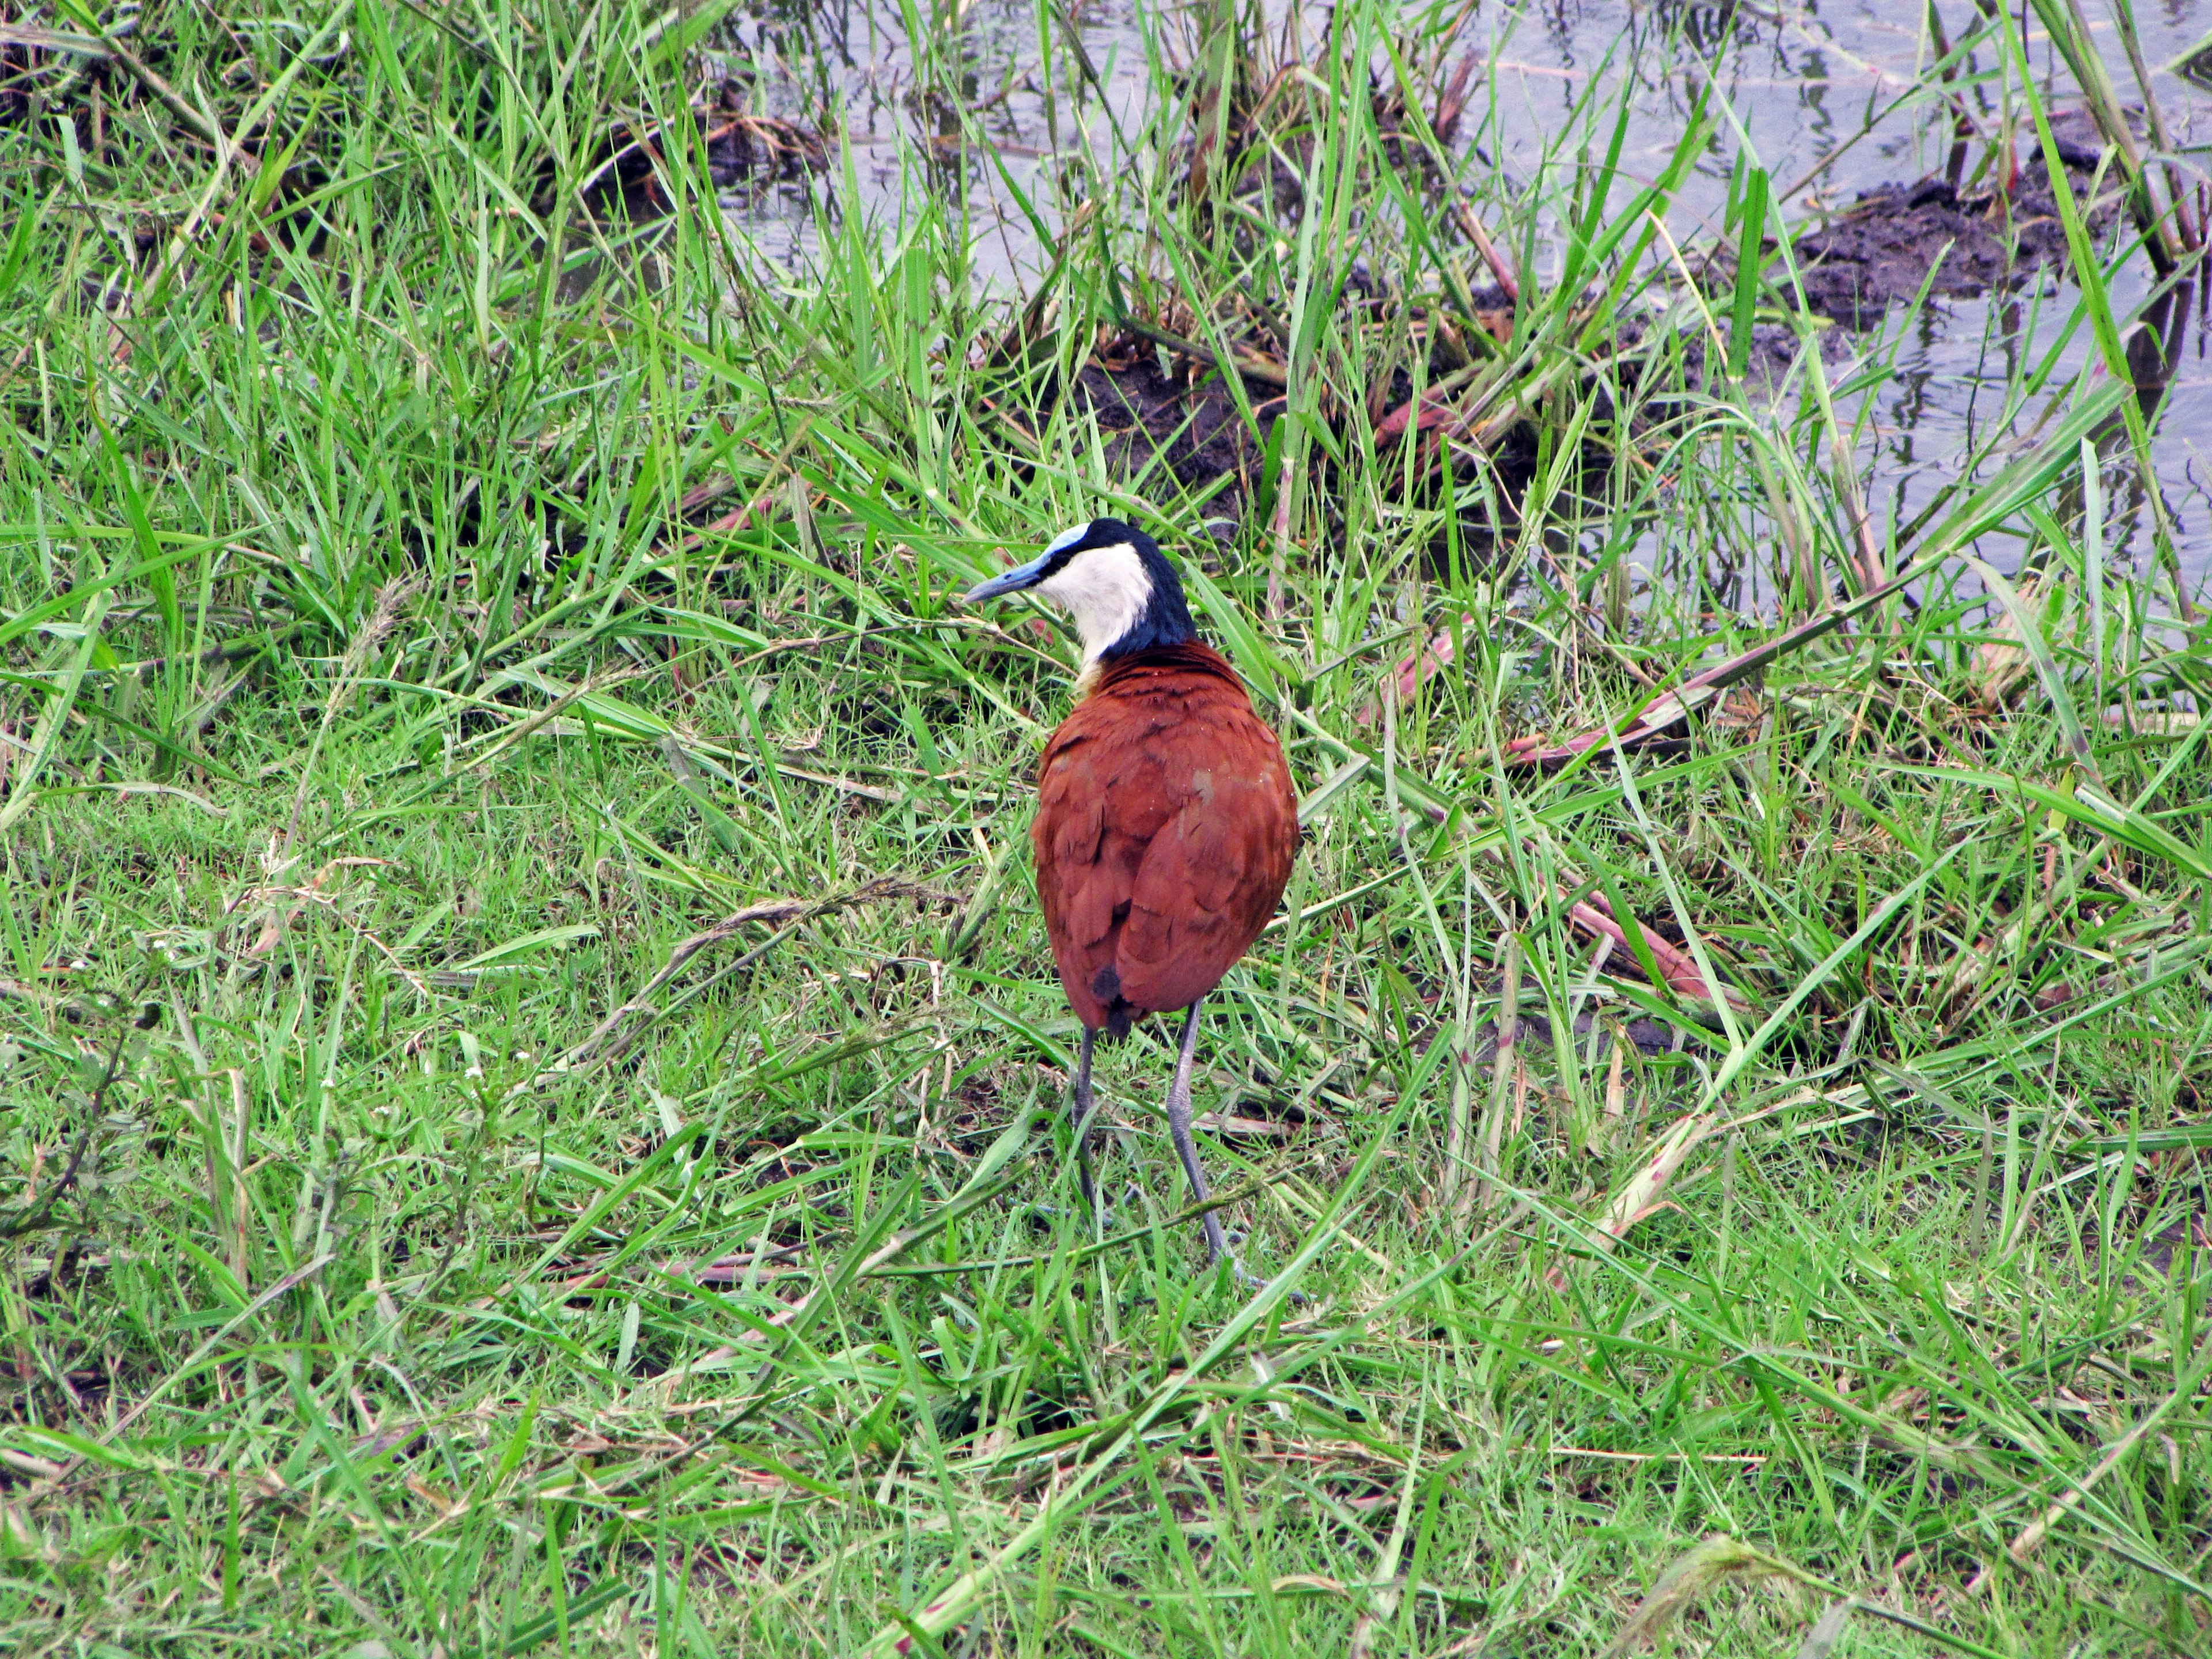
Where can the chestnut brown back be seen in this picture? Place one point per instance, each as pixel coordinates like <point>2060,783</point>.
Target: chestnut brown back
<point>1165,831</point>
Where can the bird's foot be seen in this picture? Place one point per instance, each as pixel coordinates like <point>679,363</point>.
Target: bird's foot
<point>1246,1279</point>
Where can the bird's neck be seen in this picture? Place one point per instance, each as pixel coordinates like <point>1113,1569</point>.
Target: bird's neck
<point>1152,619</point>
<point>1178,659</point>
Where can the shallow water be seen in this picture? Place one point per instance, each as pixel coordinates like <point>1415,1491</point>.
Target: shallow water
<point>1805,81</point>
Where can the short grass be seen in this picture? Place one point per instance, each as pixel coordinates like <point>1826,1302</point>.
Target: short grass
<point>386,707</point>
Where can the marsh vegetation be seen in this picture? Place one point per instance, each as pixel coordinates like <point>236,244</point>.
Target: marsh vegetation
<point>531,1080</point>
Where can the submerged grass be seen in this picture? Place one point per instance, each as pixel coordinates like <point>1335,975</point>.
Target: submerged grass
<point>532,1076</point>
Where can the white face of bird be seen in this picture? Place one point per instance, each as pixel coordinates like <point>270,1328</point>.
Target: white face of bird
<point>1102,589</point>
<point>1095,574</point>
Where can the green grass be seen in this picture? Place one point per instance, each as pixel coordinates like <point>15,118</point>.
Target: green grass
<point>378,733</point>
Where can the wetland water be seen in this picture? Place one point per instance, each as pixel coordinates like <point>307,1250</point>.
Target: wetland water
<point>1055,96</point>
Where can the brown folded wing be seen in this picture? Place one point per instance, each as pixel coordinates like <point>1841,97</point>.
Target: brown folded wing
<point>1165,830</point>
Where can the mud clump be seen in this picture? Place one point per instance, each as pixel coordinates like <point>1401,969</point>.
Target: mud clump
<point>740,148</point>
<point>744,146</point>
<point>1882,250</point>
<point>1188,421</point>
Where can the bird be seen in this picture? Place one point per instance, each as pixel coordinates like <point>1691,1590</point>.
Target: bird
<point>1166,823</point>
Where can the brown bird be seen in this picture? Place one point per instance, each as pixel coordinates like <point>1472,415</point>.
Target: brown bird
<point>1166,825</point>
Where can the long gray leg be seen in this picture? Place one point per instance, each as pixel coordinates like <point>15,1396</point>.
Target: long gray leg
<point>1083,1106</point>
<point>1217,1246</point>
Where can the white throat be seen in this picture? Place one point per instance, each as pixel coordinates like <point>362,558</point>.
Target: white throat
<point>1104,590</point>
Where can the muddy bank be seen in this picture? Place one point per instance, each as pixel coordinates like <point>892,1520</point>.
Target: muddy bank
<point>1187,422</point>
<point>742,148</point>
<point>1898,240</point>
<point>1165,404</point>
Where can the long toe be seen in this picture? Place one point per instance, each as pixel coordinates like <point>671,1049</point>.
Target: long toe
<point>1222,1247</point>
<point>1251,1282</point>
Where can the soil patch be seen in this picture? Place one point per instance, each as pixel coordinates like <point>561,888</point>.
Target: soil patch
<point>1896,239</point>
<point>1187,422</point>
<point>741,148</point>
<point>52,72</point>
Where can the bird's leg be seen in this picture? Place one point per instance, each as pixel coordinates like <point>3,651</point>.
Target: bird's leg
<point>1084,1105</point>
<point>1217,1246</point>
<point>1217,1242</point>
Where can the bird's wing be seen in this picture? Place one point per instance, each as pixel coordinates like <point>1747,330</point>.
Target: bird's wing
<point>1215,868</point>
<point>1103,794</point>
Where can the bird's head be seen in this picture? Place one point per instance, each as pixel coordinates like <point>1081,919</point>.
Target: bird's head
<point>1113,583</point>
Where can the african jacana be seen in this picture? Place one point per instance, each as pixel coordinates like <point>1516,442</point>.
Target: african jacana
<point>1165,825</point>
